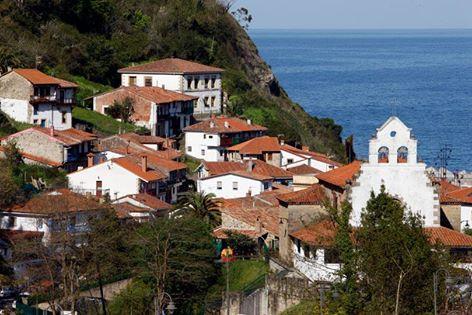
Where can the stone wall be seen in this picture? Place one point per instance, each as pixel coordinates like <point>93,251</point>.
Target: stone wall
<point>14,86</point>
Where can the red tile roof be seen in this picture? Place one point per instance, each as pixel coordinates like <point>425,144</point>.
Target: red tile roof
<point>243,173</point>
<point>314,155</point>
<point>448,237</point>
<point>222,233</point>
<point>303,170</point>
<point>258,167</point>
<point>150,201</point>
<point>143,139</point>
<point>171,65</point>
<point>341,176</point>
<point>461,196</point>
<point>257,145</point>
<point>133,165</point>
<point>58,201</point>
<point>66,137</point>
<point>223,124</point>
<point>164,165</point>
<point>321,233</point>
<point>157,94</point>
<point>37,77</point>
<point>444,188</point>
<point>314,195</point>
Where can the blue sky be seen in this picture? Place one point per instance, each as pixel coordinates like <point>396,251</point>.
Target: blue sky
<point>355,14</point>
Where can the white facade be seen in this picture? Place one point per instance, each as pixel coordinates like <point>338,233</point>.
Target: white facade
<point>204,146</point>
<point>16,109</point>
<point>115,180</point>
<point>232,186</point>
<point>207,87</point>
<point>466,216</point>
<point>314,266</point>
<point>289,159</point>
<point>393,163</point>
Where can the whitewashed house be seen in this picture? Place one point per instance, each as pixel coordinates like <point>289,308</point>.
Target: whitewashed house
<point>393,162</point>
<point>201,81</point>
<point>47,213</point>
<point>33,97</point>
<point>209,139</point>
<point>235,184</point>
<point>141,207</point>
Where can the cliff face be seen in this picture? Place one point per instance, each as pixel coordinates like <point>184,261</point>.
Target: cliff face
<point>91,39</point>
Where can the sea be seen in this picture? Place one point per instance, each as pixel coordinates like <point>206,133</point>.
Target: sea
<point>360,78</point>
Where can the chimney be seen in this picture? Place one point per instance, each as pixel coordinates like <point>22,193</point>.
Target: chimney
<point>249,166</point>
<point>51,131</point>
<point>249,193</point>
<point>305,148</point>
<point>226,124</point>
<point>282,142</point>
<point>144,163</point>
<point>258,225</point>
<point>249,122</point>
<point>90,159</point>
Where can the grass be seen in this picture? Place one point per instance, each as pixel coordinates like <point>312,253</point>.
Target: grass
<point>88,88</point>
<point>243,274</point>
<point>191,163</point>
<point>303,308</point>
<point>8,126</point>
<point>102,123</point>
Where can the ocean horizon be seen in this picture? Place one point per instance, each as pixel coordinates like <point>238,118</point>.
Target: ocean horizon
<point>361,77</point>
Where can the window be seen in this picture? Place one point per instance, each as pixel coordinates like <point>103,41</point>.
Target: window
<point>206,83</point>
<point>210,137</point>
<point>195,104</point>
<point>164,86</point>
<point>147,81</point>
<point>11,222</point>
<point>269,156</point>
<point>298,246</point>
<point>206,100</point>
<point>189,83</point>
<point>306,251</point>
<point>132,81</point>
<point>289,161</point>
<point>266,185</point>
<point>35,109</point>
<point>64,117</point>
<point>235,185</point>
<point>203,152</point>
<point>35,121</point>
<point>43,123</point>
<point>402,155</point>
<point>383,155</point>
<point>219,185</point>
<point>189,148</point>
<point>212,101</point>
<point>213,82</point>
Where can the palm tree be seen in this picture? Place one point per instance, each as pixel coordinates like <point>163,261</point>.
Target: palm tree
<point>201,205</point>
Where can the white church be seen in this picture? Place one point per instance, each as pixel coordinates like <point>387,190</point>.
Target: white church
<point>393,162</point>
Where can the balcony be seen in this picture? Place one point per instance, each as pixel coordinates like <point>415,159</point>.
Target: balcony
<point>42,98</point>
<point>91,192</point>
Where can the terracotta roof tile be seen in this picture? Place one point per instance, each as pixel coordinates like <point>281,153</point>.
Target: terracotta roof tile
<point>314,155</point>
<point>462,196</point>
<point>37,77</point>
<point>314,195</point>
<point>221,233</point>
<point>58,201</point>
<point>258,167</point>
<point>243,173</point>
<point>321,233</point>
<point>150,201</point>
<point>142,139</point>
<point>224,124</point>
<point>164,165</point>
<point>448,237</point>
<point>171,65</point>
<point>341,176</point>
<point>66,137</point>
<point>304,170</point>
<point>444,188</point>
<point>134,166</point>
<point>257,145</point>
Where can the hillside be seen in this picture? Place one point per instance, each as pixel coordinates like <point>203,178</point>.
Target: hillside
<point>90,39</point>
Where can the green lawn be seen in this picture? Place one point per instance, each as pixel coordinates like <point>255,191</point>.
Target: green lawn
<point>303,308</point>
<point>88,88</point>
<point>102,123</point>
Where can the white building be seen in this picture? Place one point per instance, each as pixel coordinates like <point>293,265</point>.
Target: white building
<point>293,157</point>
<point>393,162</point>
<point>234,184</point>
<point>30,96</point>
<point>209,139</point>
<point>48,212</point>
<point>181,76</point>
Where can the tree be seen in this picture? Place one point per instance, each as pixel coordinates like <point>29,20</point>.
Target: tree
<point>201,205</point>
<point>10,190</point>
<point>396,260</point>
<point>176,256</point>
<point>122,110</point>
<point>241,244</point>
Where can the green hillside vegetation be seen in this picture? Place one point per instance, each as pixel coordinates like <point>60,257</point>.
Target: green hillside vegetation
<point>103,124</point>
<point>91,39</point>
<point>8,126</point>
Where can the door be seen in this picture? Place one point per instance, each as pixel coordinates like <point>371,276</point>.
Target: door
<point>61,95</point>
<point>98,188</point>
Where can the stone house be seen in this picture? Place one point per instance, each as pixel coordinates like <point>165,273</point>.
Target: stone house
<point>456,205</point>
<point>183,76</point>
<point>163,112</point>
<point>33,97</point>
<point>55,148</point>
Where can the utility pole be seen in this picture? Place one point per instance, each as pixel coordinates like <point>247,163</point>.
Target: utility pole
<point>227,288</point>
<point>442,160</point>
